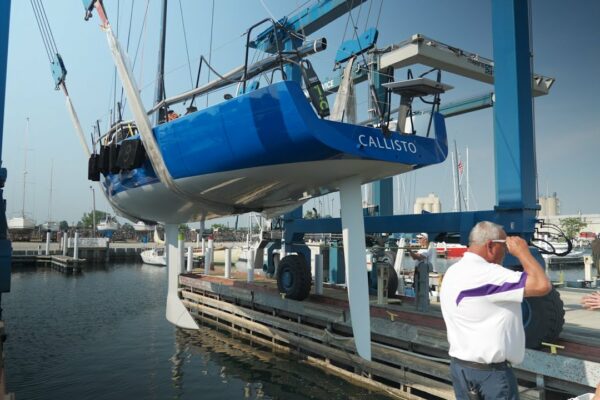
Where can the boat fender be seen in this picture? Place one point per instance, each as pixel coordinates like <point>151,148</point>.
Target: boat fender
<point>93,171</point>
<point>131,155</point>
<point>103,166</point>
<point>113,154</point>
<point>315,89</point>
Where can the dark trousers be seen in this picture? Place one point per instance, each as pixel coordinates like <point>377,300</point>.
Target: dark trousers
<point>494,383</point>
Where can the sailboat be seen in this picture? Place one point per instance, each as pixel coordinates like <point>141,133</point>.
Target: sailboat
<point>267,149</point>
<point>21,227</point>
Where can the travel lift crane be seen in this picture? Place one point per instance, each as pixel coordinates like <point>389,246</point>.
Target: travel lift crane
<point>515,168</point>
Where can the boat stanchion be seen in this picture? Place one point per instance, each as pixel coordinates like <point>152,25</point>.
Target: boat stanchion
<point>319,274</point>
<point>250,265</point>
<point>227,263</point>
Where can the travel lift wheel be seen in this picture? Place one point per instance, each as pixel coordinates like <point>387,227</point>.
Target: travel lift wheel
<point>293,277</point>
<point>543,319</point>
<point>392,283</point>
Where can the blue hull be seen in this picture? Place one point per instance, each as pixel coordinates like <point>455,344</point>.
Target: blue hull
<point>274,131</point>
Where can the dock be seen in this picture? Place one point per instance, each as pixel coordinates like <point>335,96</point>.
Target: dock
<point>409,348</point>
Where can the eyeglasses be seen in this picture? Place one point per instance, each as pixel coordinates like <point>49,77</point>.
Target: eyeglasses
<point>498,241</point>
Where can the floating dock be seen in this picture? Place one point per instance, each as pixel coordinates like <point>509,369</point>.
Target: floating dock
<point>409,347</point>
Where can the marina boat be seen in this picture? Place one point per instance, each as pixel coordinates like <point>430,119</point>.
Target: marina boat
<point>141,226</point>
<point>21,227</point>
<point>107,227</point>
<point>50,226</point>
<point>267,150</point>
<point>450,250</point>
<point>154,256</point>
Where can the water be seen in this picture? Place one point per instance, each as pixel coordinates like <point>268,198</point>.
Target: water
<point>103,335</point>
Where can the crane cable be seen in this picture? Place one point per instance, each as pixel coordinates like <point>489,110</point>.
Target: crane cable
<point>45,30</point>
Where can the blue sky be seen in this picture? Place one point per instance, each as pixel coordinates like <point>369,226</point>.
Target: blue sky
<point>565,46</point>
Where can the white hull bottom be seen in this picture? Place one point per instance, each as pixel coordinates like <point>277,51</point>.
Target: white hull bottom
<point>254,189</point>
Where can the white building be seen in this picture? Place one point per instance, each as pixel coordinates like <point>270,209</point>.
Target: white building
<point>431,204</point>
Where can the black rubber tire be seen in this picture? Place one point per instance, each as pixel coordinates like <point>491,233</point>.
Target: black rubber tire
<point>392,281</point>
<point>389,257</point>
<point>293,277</point>
<point>543,318</point>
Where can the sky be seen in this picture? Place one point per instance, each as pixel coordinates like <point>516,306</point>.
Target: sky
<point>565,39</point>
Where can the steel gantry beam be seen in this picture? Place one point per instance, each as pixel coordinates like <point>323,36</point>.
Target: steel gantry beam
<point>5,245</point>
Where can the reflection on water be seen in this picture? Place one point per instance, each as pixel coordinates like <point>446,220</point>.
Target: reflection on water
<point>103,334</point>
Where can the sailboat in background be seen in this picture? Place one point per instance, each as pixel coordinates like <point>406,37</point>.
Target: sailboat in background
<point>108,226</point>
<point>21,227</point>
<point>457,250</point>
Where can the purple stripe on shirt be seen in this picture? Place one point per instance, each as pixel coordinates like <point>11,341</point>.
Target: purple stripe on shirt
<point>488,289</point>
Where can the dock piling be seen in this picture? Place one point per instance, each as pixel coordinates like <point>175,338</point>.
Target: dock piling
<point>228,263</point>
<point>319,274</point>
<point>47,243</point>
<point>587,262</point>
<point>189,259</point>
<point>250,265</point>
<point>76,246</point>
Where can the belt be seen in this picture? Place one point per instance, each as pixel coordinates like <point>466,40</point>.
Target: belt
<point>481,366</point>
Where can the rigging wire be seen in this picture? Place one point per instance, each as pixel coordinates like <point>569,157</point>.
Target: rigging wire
<point>120,103</point>
<point>379,13</point>
<point>187,50</point>
<point>112,97</point>
<point>368,15</point>
<point>212,22</point>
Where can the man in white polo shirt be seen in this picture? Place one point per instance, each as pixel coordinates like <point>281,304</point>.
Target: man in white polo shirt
<point>481,305</point>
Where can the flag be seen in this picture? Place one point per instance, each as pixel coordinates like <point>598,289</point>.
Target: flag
<point>460,167</point>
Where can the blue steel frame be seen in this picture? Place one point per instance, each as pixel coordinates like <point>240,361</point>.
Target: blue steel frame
<point>514,150</point>
<point>5,244</point>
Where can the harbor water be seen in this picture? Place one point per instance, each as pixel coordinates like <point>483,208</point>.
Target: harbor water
<point>102,334</point>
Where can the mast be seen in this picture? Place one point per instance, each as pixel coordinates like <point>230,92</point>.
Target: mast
<point>50,199</point>
<point>468,186</point>
<point>454,183</point>
<point>25,168</point>
<point>160,73</point>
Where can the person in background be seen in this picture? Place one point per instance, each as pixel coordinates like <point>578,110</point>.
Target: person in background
<point>481,306</point>
<point>426,253</point>
<point>591,301</point>
<point>172,115</point>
